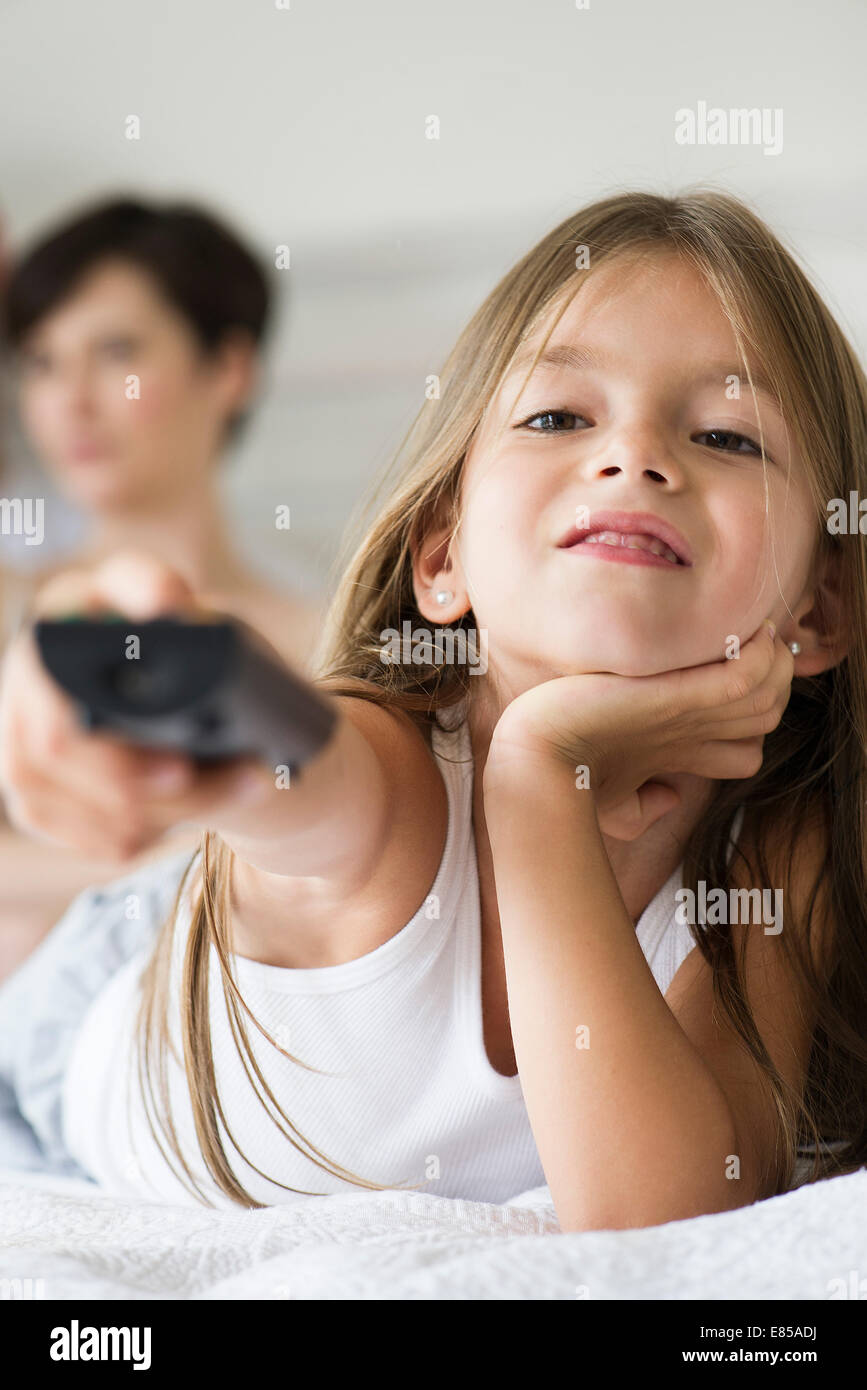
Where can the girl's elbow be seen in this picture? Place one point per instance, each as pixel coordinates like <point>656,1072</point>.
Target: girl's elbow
<point>626,1215</point>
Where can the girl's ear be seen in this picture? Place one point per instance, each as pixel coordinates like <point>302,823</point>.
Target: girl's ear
<point>438,580</point>
<point>821,622</point>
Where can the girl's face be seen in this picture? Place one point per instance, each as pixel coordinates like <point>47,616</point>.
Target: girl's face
<point>636,412</point>
<point>118,398</point>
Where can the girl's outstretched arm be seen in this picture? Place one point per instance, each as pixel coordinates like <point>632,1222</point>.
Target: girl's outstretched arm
<point>362,825</point>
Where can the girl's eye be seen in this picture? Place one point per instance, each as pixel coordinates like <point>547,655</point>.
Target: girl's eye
<point>552,421</point>
<point>729,442</point>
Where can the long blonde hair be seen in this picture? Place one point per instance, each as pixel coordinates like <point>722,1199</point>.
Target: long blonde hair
<point>814,765</point>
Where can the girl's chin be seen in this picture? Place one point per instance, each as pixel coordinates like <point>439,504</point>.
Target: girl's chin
<point>608,666</point>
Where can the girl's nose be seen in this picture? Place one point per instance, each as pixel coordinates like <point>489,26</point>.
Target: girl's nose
<point>640,454</point>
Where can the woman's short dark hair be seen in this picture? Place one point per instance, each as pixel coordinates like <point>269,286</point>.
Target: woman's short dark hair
<point>202,268</point>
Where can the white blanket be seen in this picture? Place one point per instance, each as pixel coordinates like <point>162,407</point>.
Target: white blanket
<point>810,1243</point>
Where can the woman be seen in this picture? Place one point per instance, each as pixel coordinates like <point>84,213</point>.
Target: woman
<point>135,331</point>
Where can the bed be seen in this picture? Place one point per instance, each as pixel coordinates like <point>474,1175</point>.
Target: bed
<point>82,1242</point>
<point>810,1243</point>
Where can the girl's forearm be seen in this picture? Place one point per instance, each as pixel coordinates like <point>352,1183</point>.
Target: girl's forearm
<point>631,1125</point>
<point>325,821</point>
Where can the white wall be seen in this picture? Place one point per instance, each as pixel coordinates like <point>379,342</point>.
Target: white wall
<point>307,126</point>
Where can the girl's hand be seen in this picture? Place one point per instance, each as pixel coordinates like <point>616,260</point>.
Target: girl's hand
<point>88,790</point>
<point>708,720</point>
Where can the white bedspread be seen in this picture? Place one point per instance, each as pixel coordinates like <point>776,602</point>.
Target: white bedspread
<point>396,1245</point>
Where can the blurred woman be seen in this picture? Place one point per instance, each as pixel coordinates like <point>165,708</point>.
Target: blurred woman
<point>134,332</point>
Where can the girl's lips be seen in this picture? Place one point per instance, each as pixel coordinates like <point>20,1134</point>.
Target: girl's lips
<point>630,523</point>
<point>624,554</point>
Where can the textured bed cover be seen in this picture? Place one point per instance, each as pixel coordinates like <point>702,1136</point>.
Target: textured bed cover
<point>810,1243</point>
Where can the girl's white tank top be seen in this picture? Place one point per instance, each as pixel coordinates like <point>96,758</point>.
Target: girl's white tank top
<point>405,1095</point>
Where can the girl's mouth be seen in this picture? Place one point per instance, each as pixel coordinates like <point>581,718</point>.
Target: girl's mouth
<point>635,548</point>
<point>638,538</point>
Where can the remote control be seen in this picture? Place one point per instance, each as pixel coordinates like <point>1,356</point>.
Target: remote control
<point>206,689</point>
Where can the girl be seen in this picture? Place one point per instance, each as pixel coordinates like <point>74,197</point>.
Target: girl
<point>457,954</point>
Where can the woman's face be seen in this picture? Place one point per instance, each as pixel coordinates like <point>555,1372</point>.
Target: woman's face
<point>641,417</point>
<point>117,397</point>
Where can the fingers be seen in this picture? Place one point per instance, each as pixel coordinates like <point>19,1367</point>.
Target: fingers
<point>638,811</point>
<point>88,789</point>
<point>130,581</point>
<point>724,759</point>
<point>750,687</point>
<point>766,685</point>
<point>40,811</point>
<point>69,592</point>
<point>127,814</point>
<point>40,733</point>
<point>762,672</point>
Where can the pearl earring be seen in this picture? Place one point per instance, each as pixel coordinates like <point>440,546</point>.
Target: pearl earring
<point>794,648</point>
<point>444,596</point>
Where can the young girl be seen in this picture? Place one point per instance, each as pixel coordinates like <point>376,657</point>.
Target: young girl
<point>456,955</point>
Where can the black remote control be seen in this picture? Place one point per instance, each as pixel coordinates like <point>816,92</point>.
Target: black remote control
<point>207,689</point>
